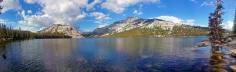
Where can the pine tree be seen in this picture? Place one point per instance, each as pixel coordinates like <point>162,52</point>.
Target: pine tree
<point>234,28</point>
<point>215,21</point>
<point>1,31</point>
<point>1,7</point>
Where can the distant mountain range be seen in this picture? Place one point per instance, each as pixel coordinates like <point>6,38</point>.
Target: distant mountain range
<point>62,29</point>
<point>134,26</point>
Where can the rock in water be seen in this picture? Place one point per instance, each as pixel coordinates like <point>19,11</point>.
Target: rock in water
<point>233,67</point>
<point>203,43</point>
<point>233,53</point>
<point>64,29</point>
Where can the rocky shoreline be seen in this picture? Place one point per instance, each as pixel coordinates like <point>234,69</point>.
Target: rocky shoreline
<point>3,40</point>
<point>230,42</point>
<point>230,45</point>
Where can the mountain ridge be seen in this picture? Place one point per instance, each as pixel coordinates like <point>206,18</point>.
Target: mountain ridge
<point>134,23</point>
<point>65,29</point>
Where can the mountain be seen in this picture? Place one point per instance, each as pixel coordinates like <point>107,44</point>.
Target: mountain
<point>62,29</point>
<point>138,26</point>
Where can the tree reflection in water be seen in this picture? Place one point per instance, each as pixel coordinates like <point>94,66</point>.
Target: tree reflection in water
<point>3,50</point>
<point>217,63</point>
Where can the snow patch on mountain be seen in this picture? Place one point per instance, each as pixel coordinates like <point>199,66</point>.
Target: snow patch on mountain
<point>135,22</point>
<point>66,29</point>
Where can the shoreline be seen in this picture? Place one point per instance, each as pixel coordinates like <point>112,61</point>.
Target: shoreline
<point>3,40</point>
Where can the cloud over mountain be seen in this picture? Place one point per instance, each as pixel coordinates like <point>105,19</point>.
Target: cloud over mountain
<point>61,11</point>
<point>118,6</point>
<point>69,11</point>
<point>66,11</point>
<point>177,20</point>
<point>10,5</point>
<point>53,12</point>
<point>228,25</point>
<point>89,14</point>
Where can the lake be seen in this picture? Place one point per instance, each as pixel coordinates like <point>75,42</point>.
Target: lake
<point>171,54</point>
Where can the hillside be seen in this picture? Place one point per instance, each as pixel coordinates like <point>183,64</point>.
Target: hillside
<point>62,29</point>
<point>159,32</point>
<point>138,27</point>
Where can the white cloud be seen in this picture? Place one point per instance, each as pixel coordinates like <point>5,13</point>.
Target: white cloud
<point>137,12</point>
<point>29,11</point>
<point>53,12</point>
<point>37,19</point>
<point>7,22</point>
<point>10,5</point>
<point>29,27</point>
<point>170,18</point>
<point>30,1</point>
<point>68,11</point>
<point>92,4</point>
<point>190,22</point>
<point>101,19</point>
<point>192,0</point>
<point>34,22</point>
<point>100,16</point>
<point>102,25</point>
<point>63,11</point>
<point>208,3</point>
<point>177,20</point>
<point>228,25</point>
<point>119,6</point>
<point>3,21</point>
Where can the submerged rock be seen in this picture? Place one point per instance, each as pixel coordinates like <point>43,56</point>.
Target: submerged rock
<point>232,44</point>
<point>233,68</point>
<point>233,53</point>
<point>229,42</point>
<point>203,43</point>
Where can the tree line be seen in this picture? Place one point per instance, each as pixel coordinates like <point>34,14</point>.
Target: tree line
<point>8,33</point>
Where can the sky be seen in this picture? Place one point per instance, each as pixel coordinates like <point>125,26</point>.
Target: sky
<point>87,15</point>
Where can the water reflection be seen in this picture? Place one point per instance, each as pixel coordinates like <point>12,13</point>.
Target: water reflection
<point>217,61</point>
<point>3,52</point>
<point>107,55</point>
<point>3,57</point>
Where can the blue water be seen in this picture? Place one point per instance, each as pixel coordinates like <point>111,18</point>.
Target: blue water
<point>171,54</point>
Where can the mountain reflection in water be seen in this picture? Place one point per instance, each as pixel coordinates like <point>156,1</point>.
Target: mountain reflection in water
<point>107,54</point>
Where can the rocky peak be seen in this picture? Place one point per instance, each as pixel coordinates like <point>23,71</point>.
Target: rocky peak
<point>130,19</point>
<point>62,28</point>
<point>134,22</point>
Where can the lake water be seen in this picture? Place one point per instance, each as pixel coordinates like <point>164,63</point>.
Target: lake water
<point>105,55</point>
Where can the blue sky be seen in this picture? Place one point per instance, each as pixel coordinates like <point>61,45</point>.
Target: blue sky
<point>86,15</point>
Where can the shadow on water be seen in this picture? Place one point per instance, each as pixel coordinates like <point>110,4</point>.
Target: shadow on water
<point>3,50</point>
<point>217,62</point>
